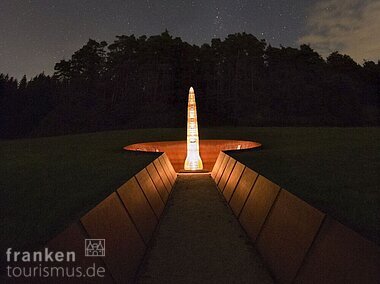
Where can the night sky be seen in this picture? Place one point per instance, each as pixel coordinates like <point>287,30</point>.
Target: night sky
<point>35,34</point>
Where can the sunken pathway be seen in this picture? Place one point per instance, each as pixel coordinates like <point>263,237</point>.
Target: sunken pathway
<point>200,241</point>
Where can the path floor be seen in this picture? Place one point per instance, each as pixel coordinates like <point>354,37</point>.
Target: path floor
<point>200,241</point>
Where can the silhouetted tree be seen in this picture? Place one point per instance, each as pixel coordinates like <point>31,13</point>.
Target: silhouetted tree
<point>143,82</point>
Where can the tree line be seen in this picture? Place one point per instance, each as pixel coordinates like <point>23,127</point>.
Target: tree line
<point>143,81</point>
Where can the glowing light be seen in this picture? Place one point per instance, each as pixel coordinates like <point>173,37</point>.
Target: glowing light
<point>193,160</point>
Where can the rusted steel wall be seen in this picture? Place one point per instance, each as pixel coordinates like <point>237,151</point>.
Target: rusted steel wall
<point>126,219</point>
<point>298,243</point>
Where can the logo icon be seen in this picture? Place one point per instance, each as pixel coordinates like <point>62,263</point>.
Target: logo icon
<point>95,247</point>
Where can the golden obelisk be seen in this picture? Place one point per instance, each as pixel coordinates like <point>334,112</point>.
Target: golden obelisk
<point>193,160</point>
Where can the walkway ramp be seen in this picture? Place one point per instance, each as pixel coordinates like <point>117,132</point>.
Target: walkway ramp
<point>199,240</point>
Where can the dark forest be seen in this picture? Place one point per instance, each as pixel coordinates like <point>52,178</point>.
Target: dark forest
<point>140,82</point>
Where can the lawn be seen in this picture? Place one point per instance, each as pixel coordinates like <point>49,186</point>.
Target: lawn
<point>46,183</point>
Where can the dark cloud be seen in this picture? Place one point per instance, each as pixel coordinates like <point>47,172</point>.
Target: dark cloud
<point>349,26</point>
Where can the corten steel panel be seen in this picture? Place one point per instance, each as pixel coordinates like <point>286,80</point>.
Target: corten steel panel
<point>73,240</point>
<point>226,174</point>
<point>242,190</point>
<point>124,247</point>
<point>209,150</point>
<point>170,166</point>
<point>167,166</point>
<point>138,208</point>
<point>287,235</point>
<point>221,169</point>
<point>258,205</point>
<point>217,164</point>
<point>233,181</point>
<point>340,255</point>
<point>150,192</point>
<point>161,188</point>
<point>166,170</point>
<point>163,175</point>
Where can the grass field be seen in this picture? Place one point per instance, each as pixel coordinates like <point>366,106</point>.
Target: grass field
<point>46,183</point>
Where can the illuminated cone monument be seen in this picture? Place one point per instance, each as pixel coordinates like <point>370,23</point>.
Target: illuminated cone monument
<point>193,160</point>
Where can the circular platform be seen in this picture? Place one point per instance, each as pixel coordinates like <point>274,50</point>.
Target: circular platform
<point>209,150</point>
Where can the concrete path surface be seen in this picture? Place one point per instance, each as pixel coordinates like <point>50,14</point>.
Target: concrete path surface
<point>200,241</point>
